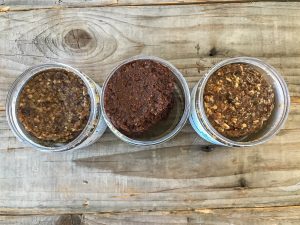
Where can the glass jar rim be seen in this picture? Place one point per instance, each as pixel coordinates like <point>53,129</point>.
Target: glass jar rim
<point>186,94</point>
<point>17,87</point>
<point>267,69</point>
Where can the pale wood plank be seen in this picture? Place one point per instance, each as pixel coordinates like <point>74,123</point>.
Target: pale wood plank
<point>43,220</point>
<point>20,5</point>
<point>182,174</point>
<point>268,216</point>
<point>243,216</point>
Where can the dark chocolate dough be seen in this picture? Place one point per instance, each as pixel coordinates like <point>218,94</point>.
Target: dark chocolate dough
<point>138,96</point>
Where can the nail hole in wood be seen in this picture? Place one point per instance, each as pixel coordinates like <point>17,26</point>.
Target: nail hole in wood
<point>213,52</point>
<point>207,148</point>
<point>243,182</point>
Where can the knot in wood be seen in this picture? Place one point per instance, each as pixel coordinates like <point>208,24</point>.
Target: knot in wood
<point>77,38</point>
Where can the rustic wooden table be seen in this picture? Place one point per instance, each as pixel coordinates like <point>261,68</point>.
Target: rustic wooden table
<point>182,181</point>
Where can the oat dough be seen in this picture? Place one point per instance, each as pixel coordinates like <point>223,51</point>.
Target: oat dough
<point>54,106</point>
<point>238,100</point>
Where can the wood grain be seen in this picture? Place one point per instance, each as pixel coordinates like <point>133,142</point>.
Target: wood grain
<point>182,174</point>
<point>25,5</point>
<point>243,216</point>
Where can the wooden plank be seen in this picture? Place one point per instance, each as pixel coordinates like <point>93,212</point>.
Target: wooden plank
<point>182,174</point>
<point>273,216</point>
<point>243,216</point>
<point>43,220</point>
<point>20,5</point>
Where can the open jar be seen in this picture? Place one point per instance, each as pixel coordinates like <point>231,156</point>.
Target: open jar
<point>146,100</point>
<point>204,127</point>
<point>24,112</point>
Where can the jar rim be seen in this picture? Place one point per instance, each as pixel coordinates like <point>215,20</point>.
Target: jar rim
<point>186,95</point>
<point>268,69</point>
<point>15,91</point>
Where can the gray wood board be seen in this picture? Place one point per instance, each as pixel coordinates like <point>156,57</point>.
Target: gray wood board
<point>241,216</point>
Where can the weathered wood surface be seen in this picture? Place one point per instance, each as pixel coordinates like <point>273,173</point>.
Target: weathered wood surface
<point>8,5</point>
<point>182,174</point>
<point>257,216</point>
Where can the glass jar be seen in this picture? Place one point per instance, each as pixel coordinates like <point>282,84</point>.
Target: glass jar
<point>202,126</point>
<point>93,130</point>
<point>177,117</point>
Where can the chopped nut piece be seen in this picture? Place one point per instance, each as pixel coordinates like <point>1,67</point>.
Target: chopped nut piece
<point>228,79</point>
<point>217,122</point>
<point>225,126</point>
<point>220,129</point>
<point>242,68</point>
<point>244,125</point>
<point>209,112</point>
<point>234,120</point>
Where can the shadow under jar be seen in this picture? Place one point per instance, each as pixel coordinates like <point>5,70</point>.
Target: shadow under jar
<point>54,107</point>
<point>239,102</point>
<point>146,100</point>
